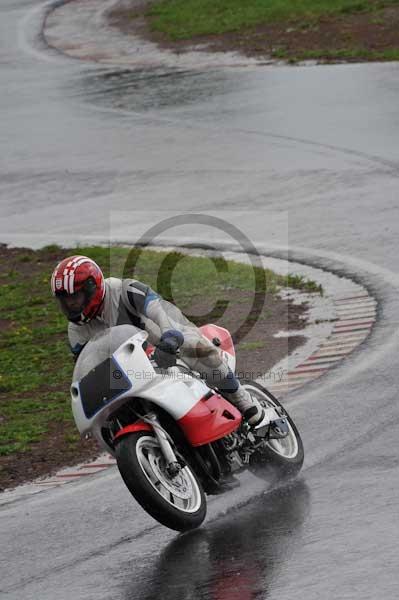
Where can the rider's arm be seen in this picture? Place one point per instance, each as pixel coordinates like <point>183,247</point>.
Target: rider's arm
<point>143,301</point>
<point>78,337</point>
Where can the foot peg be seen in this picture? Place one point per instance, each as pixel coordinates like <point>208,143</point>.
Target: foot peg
<point>278,429</point>
<point>272,428</point>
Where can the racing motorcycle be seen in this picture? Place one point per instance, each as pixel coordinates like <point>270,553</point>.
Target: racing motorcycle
<point>174,438</point>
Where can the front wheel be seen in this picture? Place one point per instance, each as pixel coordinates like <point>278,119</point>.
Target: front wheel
<point>177,502</point>
<point>287,453</point>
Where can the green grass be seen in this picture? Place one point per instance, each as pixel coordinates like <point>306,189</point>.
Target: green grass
<point>256,345</point>
<point>36,365</point>
<point>300,283</point>
<point>184,19</point>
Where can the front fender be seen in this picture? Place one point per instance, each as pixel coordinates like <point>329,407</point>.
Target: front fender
<point>132,428</point>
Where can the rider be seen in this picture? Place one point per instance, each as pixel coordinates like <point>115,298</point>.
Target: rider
<point>92,304</point>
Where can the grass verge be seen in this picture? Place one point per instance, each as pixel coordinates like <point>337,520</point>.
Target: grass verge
<point>183,19</point>
<point>322,30</point>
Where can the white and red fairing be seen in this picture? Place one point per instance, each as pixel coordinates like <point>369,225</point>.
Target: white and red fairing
<point>213,416</point>
<point>202,415</point>
<point>226,347</point>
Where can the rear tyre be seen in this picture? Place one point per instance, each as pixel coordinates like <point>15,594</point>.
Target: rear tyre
<point>287,454</point>
<point>179,502</point>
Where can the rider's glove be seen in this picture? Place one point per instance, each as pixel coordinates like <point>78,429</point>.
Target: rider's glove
<point>165,352</point>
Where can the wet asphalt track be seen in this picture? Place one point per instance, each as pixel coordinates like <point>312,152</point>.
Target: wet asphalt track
<point>300,157</point>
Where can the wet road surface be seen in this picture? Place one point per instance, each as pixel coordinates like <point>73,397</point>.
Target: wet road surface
<point>305,158</point>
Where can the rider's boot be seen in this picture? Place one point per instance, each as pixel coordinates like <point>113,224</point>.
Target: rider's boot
<point>232,389</point>
<point>249,406</point>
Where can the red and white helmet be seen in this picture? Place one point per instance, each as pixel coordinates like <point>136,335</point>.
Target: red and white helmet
<point>78,284</point>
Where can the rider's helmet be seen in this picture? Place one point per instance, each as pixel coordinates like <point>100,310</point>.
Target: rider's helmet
<point>78,284</point>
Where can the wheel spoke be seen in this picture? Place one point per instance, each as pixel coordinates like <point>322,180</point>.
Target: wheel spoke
<point>165,493</point>
<point>162,489</point>
<point>145,463</point>
<point>180,503</point>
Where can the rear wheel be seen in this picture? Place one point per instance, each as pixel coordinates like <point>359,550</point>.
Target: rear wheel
<point>177,502</point>
<point>286,453</point>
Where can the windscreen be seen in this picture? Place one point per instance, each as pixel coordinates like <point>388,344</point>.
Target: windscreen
<point>101,347</point>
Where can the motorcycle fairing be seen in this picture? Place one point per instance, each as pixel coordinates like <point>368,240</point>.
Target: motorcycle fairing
<point>102,385</point>
<point>225,342</point>
<point>175,393</point>
<point>209,420</point>
<point>179,395</point>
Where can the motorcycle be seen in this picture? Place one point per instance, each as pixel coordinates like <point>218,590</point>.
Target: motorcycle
<point>175,439</point>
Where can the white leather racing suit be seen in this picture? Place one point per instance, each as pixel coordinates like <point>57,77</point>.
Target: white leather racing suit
<point>129,301</point>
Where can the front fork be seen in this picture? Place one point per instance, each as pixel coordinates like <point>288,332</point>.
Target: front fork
<point>166,444</point>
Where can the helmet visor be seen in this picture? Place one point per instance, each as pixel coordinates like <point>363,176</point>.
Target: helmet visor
<point>72,305</point>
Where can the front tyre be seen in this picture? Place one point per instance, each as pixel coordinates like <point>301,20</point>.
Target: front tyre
<point>179,502</point>
<point>287,453</point>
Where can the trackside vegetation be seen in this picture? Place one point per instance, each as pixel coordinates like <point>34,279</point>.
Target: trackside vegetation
<point>323,30</point>
<point>182,19</point>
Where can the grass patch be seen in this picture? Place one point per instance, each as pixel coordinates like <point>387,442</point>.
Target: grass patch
<point>36,365</point>
<point>184,19</point>
<point>306,285</point>
<point>251,345</point>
